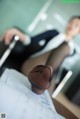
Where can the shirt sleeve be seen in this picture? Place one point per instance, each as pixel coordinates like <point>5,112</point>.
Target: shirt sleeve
<point>27,41</point>
<point>71,45</point>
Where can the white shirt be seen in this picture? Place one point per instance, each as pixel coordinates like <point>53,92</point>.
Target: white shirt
<point>18,101</point>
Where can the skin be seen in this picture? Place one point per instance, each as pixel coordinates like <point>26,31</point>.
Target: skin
<point>72,29</point>
<point>8,35</point>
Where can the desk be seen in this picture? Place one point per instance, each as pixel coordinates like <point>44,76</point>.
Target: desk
<point>62,104</point>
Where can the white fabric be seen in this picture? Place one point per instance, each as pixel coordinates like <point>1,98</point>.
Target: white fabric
<point>17,100</point>
<point>27,41</point>
<point>54,43</point>
<point>71,45</point>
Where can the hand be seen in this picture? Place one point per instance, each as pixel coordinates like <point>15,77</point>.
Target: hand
<point>8,35</point>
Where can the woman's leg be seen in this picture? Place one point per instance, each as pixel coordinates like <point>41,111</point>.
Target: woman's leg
<point>30,63</point>
<point>56,58</point>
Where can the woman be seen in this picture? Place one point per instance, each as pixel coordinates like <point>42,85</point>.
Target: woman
<point>53,49</point>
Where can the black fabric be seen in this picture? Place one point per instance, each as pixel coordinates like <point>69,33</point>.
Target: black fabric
<point>22,52</point>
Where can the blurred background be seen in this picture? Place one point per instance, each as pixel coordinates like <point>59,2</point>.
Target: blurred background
<point>36,16</point>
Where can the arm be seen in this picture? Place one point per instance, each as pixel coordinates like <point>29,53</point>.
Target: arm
<point>29,45</point>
